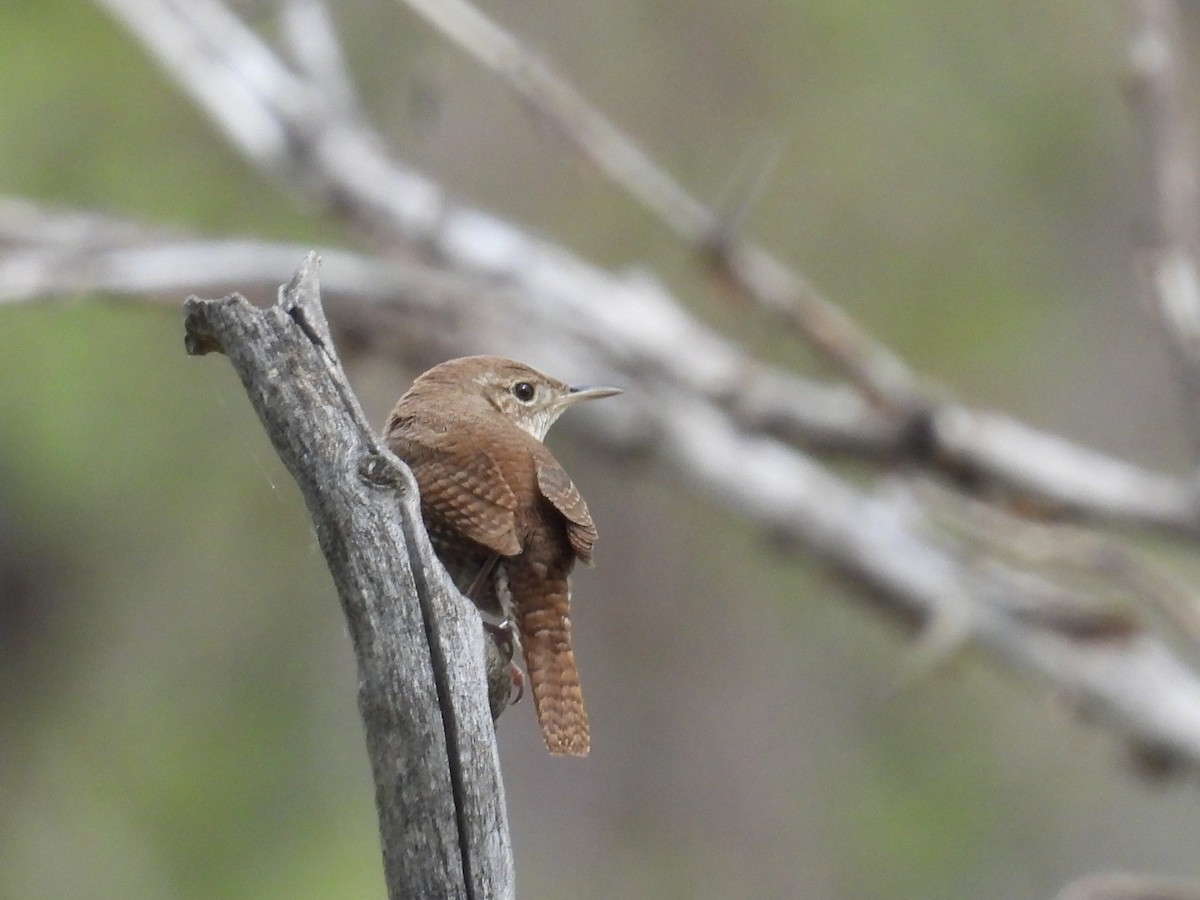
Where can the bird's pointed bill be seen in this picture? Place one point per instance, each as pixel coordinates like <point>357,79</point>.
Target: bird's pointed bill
<point>579,394</point>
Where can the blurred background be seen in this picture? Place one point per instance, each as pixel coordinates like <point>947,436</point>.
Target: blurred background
<point>177,689</point>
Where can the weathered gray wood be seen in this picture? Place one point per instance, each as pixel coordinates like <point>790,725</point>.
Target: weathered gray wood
<point>419,644</point>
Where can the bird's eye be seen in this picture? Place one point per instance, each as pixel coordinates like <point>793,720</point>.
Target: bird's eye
<point>523,391</point>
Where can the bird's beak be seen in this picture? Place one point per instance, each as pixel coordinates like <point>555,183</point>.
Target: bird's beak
<point>579,394</point>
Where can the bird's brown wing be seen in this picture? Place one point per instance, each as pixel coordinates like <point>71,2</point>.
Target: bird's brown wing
<point>557,487</point>
<point>462,486</point>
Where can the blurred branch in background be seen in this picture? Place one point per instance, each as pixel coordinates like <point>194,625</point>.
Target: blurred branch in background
<point>877,372</point>
<point>737,429</point>
<point>1123,886</point>
<point>1157,92</point>
<point>960,563</point>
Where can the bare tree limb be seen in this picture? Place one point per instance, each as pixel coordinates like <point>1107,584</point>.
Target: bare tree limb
<point>884,545</point>
<point>878,372</point>
<point>1125,886</point>
<point>640,330</point>
<point>1157,96</point>
<point>317,49</point>
<point>954,437</point>
<point>702,404</point>
<point>1134,680</point>
<point>419,644</point>
<point>1108,566</point>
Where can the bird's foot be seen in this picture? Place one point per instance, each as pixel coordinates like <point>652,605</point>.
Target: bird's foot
<point>518,680</point>
<point>504,635</point>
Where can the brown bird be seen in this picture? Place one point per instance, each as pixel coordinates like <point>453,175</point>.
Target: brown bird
<point>504,517</point>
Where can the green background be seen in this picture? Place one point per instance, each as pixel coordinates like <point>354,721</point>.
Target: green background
<point>177,713</point>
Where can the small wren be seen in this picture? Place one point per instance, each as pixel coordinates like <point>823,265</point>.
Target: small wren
<point>503,516</point>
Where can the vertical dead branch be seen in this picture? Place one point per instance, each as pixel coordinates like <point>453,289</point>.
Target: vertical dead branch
<point>418,643</point>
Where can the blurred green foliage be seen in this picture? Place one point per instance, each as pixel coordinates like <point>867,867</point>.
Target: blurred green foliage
<point>963,177</point>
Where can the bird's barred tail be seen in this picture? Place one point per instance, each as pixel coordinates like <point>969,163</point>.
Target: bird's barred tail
<point>550,663</point>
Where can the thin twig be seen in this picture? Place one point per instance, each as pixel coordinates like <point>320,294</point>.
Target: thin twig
<point>1106,563</point>
<point>1169,259</point>
<point>640,328</point>
<point>316,46</point>
<point>1131,678</point>
<point>878,372</point>
<point>641,332</point>
<point>693,382</point>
